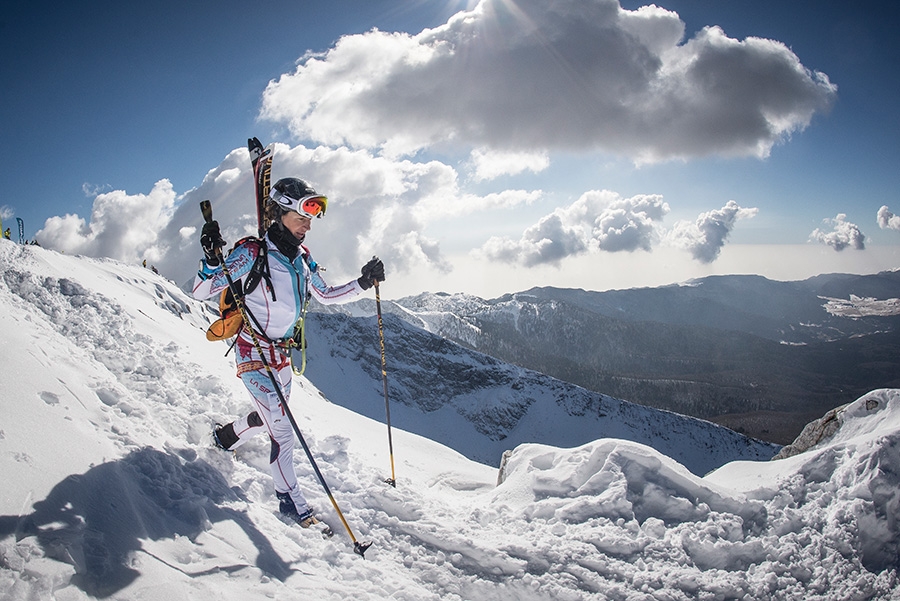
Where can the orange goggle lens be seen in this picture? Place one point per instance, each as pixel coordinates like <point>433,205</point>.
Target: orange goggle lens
<point>314,207</point>
<point>310,206</point>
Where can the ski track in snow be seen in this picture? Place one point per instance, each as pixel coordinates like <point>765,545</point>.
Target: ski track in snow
<point>114,490</point>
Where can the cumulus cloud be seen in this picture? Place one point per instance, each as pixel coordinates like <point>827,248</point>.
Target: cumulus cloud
<point>376,206</point>
<point>629,224</point>
<point>842,235</point>
<point>887,220</point>
<point>538,76</point>
<point>548,241</point>
<point>122,226</point>
<point>705,237</point>
<point>598,220</point>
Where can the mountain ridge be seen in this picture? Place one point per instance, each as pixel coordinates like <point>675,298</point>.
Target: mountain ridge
<point>434,382</point>
<point>729,349</point>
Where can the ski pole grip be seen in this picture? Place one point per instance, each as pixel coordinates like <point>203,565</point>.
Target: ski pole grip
<point>206,209</point>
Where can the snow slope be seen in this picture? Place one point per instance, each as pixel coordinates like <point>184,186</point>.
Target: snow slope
<point>112,489</point>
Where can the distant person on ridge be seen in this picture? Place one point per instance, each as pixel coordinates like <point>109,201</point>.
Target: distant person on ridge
<point>7,234</point>
<point>275,305</point>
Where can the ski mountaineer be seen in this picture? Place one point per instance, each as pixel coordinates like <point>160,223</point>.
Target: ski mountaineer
<point>274,306</point>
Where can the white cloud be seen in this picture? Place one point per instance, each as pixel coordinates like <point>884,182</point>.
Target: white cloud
<point>598,220</point>
<point>844,234</point>
<point>374,205</point>
<point>228,176</point>
<point>122,226</point>
<point>629,224</point>
<point>92,190</point>
<point>6,212</point>
<point>455,203</point>
<point>489,164</point>
<point>548,241</point>
<point>887,220</point>
<point>535,76</point>
<point>472,274</point>
<point>705,237</point>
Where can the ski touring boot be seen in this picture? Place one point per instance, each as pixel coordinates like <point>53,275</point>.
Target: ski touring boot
<point>306,519</point>
<point>219,436</point>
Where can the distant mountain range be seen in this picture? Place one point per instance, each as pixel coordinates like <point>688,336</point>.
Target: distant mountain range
<point>481,406</point>
<point>759,356</point>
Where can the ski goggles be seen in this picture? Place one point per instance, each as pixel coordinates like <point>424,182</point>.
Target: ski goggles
<point>308,206</point>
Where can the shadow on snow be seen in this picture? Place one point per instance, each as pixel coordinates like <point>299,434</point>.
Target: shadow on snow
<point>95,521</point>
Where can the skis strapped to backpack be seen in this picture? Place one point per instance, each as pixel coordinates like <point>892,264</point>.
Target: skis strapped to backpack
<point>230,321</point>
<point>261,160</point>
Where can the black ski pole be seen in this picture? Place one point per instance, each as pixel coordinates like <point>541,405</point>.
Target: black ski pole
<point>358,548</point>
<point>387,406</point>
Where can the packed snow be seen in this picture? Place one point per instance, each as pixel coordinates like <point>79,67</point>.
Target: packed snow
<point>113,489</point>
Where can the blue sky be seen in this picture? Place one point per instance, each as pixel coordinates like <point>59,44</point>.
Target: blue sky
<point>482,148</point>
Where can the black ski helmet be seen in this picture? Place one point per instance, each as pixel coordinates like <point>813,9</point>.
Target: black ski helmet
<point>294,194</point>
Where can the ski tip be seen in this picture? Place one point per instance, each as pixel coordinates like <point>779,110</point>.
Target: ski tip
<point>255,147</point>
<point>361,548</point>
<point>206,210</point>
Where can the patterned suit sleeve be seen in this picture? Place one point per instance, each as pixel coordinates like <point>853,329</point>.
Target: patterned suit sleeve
<point>211,282</point>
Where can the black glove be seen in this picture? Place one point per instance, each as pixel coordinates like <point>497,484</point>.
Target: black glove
<point>211,240</point>
<point>372,272</point>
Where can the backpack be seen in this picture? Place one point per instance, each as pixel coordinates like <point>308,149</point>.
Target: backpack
<point>230,320</point>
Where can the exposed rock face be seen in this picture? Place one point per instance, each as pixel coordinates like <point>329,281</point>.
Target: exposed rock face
<point>819,431</point>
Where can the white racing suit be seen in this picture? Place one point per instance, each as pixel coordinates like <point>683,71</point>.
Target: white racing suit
<point>290,280</point>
